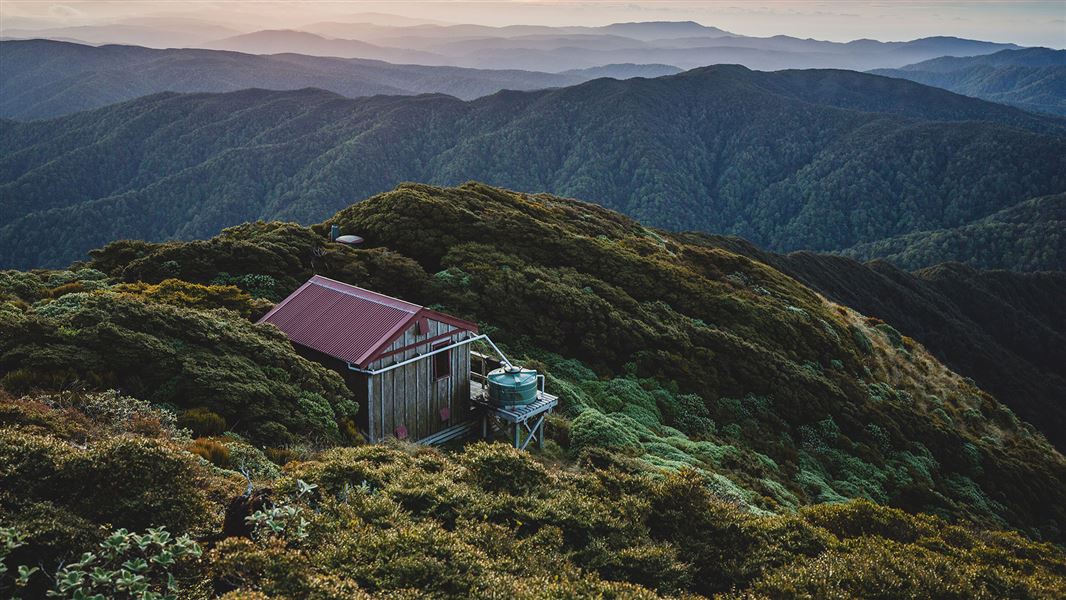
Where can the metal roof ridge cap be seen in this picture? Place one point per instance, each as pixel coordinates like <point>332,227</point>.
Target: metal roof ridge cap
<point>416,307</point>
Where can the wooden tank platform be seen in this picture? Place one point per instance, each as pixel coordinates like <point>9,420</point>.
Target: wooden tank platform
<point>523,424</point>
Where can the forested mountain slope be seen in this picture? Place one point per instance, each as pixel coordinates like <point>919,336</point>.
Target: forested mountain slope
<point>711,407</point>
<point>1005,330</point>
<point>1030,78</point>
<point>811,159</point>
<point>1030,236</point>
<point>44,78</point>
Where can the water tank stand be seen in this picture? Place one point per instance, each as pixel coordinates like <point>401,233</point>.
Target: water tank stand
<point>522,423</point>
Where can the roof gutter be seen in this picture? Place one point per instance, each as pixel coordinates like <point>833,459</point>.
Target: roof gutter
<point>470,340</point>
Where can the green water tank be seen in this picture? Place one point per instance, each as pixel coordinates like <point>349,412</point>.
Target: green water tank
<point>512,386</point>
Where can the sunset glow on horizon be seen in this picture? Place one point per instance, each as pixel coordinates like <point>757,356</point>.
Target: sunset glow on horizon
<point>1030,23</point>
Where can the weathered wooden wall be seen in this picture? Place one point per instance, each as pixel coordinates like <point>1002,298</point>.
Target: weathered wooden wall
<point>411,395</point>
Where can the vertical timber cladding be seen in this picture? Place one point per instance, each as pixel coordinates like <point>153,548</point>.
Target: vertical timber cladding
<point>413,396</point>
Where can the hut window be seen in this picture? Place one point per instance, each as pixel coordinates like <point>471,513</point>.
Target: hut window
<point>442,361</point>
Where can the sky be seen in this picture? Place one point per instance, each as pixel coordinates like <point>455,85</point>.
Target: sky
<point>1027,23</point>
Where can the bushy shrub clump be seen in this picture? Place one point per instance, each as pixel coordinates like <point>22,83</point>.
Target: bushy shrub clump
<point>689,414</point>
<point>125,566</point>
<point>212,451</point>
<point>183,357</point>
<point>192,295</point>
<point>30,287</point>
<point>202,422</point>
<point>126,482</point>
<point>81,416</point>
<point>72,463</point>
<point>592,428</point>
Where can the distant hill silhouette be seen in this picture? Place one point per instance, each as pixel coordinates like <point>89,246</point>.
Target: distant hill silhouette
<point>43,78</point>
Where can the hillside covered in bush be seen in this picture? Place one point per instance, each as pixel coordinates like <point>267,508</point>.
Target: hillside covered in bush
<point>1029,78</point>
<point>815,160</point>
<point>1006,330</point>
<point>400,521</point>
<point>724,429</point>
<point>1030,236</point>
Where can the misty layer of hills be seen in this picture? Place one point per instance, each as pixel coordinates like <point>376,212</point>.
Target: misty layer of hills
<point>820,160</point>
<point>44,78</point>
<point>684,45</point>
<point>1031,78</point>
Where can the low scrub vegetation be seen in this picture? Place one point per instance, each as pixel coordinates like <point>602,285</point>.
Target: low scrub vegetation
<point>402,520</point>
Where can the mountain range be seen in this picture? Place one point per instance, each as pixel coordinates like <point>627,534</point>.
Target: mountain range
<point>806,327</point>
<point>1030,78</point>
<point>43,78</point>
<point>819,160</point>
<point>682,44</point>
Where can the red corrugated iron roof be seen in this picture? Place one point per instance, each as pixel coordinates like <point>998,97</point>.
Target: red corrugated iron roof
<point>348,322</point>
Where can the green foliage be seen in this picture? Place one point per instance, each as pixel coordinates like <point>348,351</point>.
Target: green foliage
<point>259,286</point>
<point>678,318</point>
<point>133,483</point>
<point>248,459</point>
<point>770,156</point>
<point>498,468</point>
<point>861,339</point>
<point>593,428</point>
<point>191,295</point>
<point>391,517</point>
<point>79,416</point>
<point>1005,330</point>
<point>33,286</point>
<point>1029,78</point>
<point>126,565</point>
<point>1024,237</point>
<point>183,357</point>
<point>488,519</point>
<point>285,521</point>
<point>713,404</point>
<point>202,422</point>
